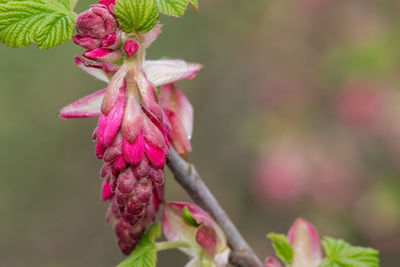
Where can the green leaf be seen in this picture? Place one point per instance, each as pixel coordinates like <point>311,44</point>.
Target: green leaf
<point>188,218</point>
<point>145,254</point>
<point>341,254</point>
<point>154,231</point>
<point>136,15</point>
<point>175,8</point>
<point>282,247</point>
<point>194,4</point>
<point>47,23</point>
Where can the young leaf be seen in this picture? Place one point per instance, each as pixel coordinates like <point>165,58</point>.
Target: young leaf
<point>154,231</point>
<point>194,4</point>
<point>145,254</point>
<point>136,15</point>
<point>47,23</point>
<point>282,247</point>
<point>175,8</point>
<point>188,218</point>
<point>341,254</point>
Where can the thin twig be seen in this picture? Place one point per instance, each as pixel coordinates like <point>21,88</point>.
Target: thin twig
<point>187,176</point>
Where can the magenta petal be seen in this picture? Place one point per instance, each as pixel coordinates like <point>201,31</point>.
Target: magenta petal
<point>114,120</point>
<point>272,262</point>
<point>113,40</point>
<point>161,72</point>
<point>86,107</point>
<point>155,155</point>
<point>101,126</point>
<point>133,153</point>
<point>206,237</point>
<point>106,192</point>
<point>103,55</point>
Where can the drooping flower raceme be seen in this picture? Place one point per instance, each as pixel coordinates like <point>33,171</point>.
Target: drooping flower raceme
<point>304,239</point>
<point>207,242</point>
<point>133,132</point>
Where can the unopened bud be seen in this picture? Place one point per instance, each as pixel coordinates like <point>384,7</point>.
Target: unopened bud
<point>131,46</point>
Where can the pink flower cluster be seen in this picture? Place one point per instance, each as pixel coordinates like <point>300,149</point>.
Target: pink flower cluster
<point>98,32</point>
<point>134,128</point>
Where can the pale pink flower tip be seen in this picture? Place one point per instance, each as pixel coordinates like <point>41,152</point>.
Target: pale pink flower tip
<point>306,244</point>
<point>131,46</point>
<point>272,262</point>
<point>179,111</point>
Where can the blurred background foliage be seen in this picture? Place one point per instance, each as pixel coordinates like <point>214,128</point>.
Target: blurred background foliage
<point>295,115</point>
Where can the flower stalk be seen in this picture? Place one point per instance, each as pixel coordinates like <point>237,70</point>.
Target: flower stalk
<point>171,244</point>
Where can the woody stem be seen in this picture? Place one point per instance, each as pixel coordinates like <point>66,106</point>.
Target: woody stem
<point>187,176</point>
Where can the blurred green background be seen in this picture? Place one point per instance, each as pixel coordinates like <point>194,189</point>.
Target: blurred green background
<point>296,114</point>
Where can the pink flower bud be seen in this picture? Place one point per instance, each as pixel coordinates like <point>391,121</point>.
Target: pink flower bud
<point>207,237</point>
<point>103,55</point>
<point>306,245</point>
<point>134,152</point>
<point>97,22</point>
<point>272,262</point>
<point>112,40</point>
<point>131,46</point>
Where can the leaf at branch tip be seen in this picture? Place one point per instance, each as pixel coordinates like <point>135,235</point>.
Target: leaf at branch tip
<point>47,23</point>
<point>282,247</point>
<point>136,15</point>
<point>175,8</point>
<point>145,254</point>
<point>341,254</point>
<point>154,231</point>
<point>188,218</point>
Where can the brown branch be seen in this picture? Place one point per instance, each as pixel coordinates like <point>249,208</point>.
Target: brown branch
<point>187,176</point>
